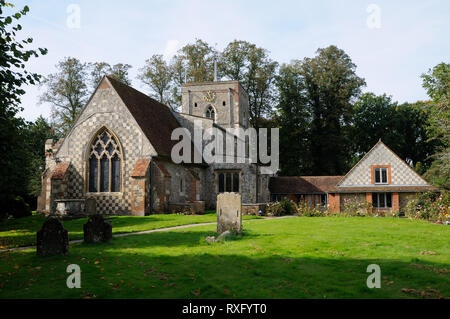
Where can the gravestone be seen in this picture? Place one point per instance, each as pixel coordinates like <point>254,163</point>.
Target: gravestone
<point>229,212</point>
<point>52,238</point>
<point>97,230</point>
<point>90,206</point>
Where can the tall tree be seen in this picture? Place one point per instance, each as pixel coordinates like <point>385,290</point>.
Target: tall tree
<point>179,76</point>
<point>118,71</point>
<point>193,63</point>
<point>66,91</point>
<point>97,71</point>
<point>437,83</point>
<point>37,133</point>
<point>331,85</point>
<point>245,62</point>
<point>157,74</point>
<point>293,119</point>
<point>13,75</point>
<point>198,58</point>
<point>402,127</point>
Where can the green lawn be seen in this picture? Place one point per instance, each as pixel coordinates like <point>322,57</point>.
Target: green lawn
<point>22,231</point>
<point>296,257</point>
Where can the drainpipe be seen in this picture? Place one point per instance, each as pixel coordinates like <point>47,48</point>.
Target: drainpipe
<point>151,186</point>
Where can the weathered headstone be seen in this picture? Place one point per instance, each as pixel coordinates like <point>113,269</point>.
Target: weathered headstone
<point>97,230</point>
<point>52,238</point>
<point>91,206</point>
<point>229,212</point>
<point>69,208</point>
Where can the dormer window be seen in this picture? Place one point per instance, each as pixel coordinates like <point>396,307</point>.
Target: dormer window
<point>381,175</point>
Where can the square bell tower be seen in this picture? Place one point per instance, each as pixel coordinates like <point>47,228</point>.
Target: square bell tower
<point>224,102</point>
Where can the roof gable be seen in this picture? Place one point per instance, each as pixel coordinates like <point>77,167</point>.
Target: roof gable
<point>154,118</point>
<point>401,173</point>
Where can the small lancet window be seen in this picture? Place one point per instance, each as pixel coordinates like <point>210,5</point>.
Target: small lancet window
<point>210,113</point>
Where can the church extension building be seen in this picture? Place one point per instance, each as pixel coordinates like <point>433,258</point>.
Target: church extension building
<point>380,181</point>
<point>119,153</point>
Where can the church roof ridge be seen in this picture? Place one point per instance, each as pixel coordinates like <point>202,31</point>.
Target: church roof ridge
<point>149,114</point>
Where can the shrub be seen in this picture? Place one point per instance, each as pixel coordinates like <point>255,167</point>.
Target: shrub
<point>283,208</point>
<point>430,206</point>
<point>306,211</point>
<point>353,207</point>
<point>16,207</point>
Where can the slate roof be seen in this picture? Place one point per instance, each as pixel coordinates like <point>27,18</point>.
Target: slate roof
<point>302,184</point>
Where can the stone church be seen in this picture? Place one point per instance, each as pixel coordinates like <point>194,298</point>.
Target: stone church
<point>118,152</point>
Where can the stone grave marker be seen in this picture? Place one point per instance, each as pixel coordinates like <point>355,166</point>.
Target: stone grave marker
<point>229,212</point>
<point>52,238</point>
<point>97,230</point>
<point>91,206</point>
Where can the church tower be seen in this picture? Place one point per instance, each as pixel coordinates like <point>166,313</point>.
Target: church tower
<point>224,102</point>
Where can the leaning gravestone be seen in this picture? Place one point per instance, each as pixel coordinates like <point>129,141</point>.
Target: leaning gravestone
<point>52,238</point>
<point>229,212</point>
<point>97,230</point>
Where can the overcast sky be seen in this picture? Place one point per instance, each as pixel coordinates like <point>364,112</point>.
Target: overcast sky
<point>390,52</point>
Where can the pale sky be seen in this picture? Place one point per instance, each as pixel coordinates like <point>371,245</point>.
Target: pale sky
<point>390,52</point>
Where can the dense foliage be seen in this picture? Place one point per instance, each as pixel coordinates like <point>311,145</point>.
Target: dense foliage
<point>15,158</point>
<point>430,206</point>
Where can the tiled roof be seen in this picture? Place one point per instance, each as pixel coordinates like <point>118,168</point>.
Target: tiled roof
<point>391,188</point>
<point>154,118</point>
<point>140,167</point>
<point>60,170</point>
<point>302,184</point>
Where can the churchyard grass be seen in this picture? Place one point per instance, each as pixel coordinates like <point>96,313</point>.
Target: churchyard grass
<point>298,257</point>
<point>22,231</point>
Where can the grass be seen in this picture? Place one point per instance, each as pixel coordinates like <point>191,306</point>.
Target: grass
<point>297,257</point>
<point>22,231</point>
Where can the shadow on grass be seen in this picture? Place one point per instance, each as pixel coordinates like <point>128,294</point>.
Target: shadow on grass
<point>24,229</point>
<point>206,275</point>
<point>180,264</point>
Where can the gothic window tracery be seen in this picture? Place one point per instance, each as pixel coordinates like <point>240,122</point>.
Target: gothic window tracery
<point>104,164</point>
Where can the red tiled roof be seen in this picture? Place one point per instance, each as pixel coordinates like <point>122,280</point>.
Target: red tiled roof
<point>60,170</point>
<point>140,167</point>
<point>302,184</point>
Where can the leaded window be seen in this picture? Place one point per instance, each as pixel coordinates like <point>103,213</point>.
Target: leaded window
<point>228,182</point>
<point>104,164</point>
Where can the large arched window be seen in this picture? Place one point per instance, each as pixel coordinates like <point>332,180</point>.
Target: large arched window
<point>104,164</point>
<point>210,113</point>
